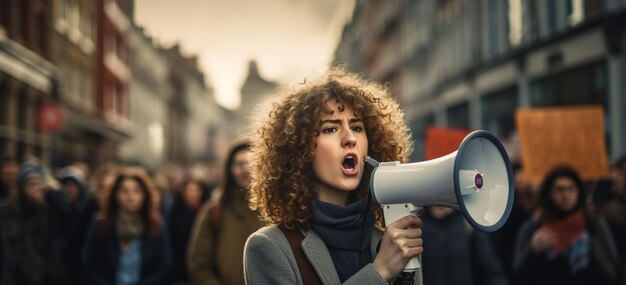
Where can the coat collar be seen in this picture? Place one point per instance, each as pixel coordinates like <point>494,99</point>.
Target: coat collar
<point>317,253</point>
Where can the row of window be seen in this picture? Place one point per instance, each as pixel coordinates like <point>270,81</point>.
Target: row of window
<point>586,85</point>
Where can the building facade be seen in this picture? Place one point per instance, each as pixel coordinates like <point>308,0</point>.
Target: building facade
<point>149,93</point>
<point>471,64</point>
<point>113,75</point>
<point>26,76</point>
<point>196,124</point>
<point>73,50</point>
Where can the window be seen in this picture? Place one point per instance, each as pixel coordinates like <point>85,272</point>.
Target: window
<point>74,15</point>
<point>16,25</point>
<point>583,85</point>
<point>458,116</point>
<point>498,111</point>
<point>495,27</point>
<point>552,15</point>
<point>515,22</point>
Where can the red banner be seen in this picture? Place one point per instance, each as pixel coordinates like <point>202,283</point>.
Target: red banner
<point>442,141</point>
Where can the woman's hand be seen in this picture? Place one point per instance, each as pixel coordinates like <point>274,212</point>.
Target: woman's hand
<point>402,241</point>
<point>542,240</point>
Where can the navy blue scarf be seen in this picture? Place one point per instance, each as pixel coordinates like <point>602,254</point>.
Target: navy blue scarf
<point>345,235</point>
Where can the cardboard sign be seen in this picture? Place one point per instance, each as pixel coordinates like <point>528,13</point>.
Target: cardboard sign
<point>572,136</point>
<point>442,141</point>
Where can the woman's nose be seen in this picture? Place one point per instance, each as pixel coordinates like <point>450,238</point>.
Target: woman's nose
<point>349,140</point>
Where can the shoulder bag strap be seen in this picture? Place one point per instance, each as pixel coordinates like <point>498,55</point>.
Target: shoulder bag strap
<point>295,237</point>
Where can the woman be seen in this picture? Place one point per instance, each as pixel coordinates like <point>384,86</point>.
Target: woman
<point>30,234</point>
<point>215,254</point>
<point>129,245</point>
<point>309,182</point>
<point>566,245</point>
<point>186,206</point>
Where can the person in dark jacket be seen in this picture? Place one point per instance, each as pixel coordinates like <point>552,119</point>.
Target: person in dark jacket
<point>30,238</point>
<point>454,244</point>
<point>129,244</point>
<point>503,240</point>
<point>72,184</point>
<point>566,244</point>
<point>187,203</point>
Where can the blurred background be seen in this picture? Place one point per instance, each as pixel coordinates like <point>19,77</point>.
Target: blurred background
<point>155,82</point>
<point>169,85</point>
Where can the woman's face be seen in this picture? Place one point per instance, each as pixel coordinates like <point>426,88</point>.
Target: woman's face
<point>564,194</point>
<point>192,194</point>
<point>240,169</point>
<point>130,196</point>
<point>339,152</point>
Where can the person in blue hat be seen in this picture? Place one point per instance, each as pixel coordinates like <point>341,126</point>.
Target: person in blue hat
<point>30,237</point>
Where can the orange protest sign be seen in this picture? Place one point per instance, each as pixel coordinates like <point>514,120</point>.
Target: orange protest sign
<point>571,136</point>
<point>442,141</point>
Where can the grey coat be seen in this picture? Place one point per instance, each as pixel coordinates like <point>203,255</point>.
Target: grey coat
<point>268,260</point>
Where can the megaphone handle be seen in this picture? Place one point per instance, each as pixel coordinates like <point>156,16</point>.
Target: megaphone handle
<point>394,212</point>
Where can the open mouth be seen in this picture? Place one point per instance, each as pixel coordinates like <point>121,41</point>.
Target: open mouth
<point>348,162</point>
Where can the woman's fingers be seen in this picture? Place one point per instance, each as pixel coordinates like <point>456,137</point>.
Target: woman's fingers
<point>408,221</point>
<point>402,240</point>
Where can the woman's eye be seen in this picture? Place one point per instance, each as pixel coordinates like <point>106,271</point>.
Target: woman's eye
<point>356,128</point>
<point>329,130</point>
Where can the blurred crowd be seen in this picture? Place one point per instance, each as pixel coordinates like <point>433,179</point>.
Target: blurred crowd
<point>121,224</point>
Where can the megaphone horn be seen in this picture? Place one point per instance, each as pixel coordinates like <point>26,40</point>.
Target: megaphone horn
<point>476,180</point>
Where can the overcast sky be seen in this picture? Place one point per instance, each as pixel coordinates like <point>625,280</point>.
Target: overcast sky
<point>290,39</point>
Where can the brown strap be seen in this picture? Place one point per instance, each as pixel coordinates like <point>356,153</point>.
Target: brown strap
<point>295,237</point>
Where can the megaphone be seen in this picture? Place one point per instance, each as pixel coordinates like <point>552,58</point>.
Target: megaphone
<point>476,180</point>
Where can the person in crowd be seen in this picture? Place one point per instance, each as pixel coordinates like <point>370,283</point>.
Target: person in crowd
<point>309,181</point>
<point>31,236</point>
<point>74,187</point>
<point>8,177</point>
<point>453,243</point>
<point>184,210</point>
<point>565,244</point>
<point>615,212</point>
<point>72,183</point>
<point>504,239</point>
<point>215,253</point>
<point>101,184</point>
<point>129,244</point>
<point>168,180</point>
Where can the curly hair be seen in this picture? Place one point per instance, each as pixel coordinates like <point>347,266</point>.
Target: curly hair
<point>281,153</point>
